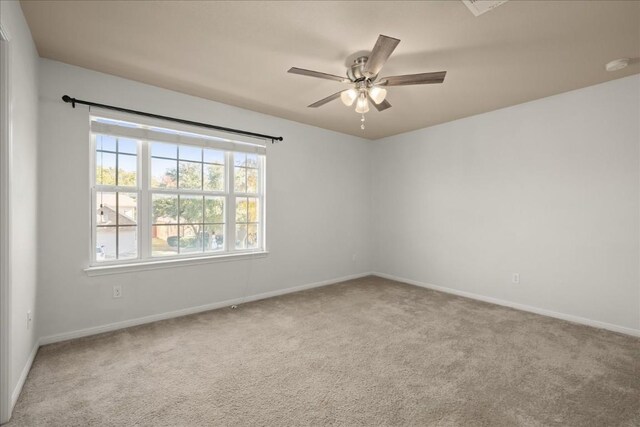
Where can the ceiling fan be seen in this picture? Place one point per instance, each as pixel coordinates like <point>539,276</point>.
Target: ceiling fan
<point>363,78</point>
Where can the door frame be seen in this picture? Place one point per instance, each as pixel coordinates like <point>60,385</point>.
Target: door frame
<point>5,225</point>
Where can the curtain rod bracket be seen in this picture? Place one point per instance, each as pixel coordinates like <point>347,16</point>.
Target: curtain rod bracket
<point>73,101</point>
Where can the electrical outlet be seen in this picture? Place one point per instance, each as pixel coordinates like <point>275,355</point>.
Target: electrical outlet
<point>29,319</point>
<point>117,291</point>
<point>515,279</point>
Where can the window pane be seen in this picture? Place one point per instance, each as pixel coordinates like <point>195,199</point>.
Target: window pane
<point>127,167</point>
<point>241,209</point>
<point>252,180</point>
<point>127,242</point>
<point>240,180</point>
<point>186,152</point>
<point>214,210</point>
<point>105,168</point>
<point>241,236</point>
<point>214,238</point>
<point>214,156</point>
<point>191,238</point>
<point>191,209</point>
<point>105,209</point>
<point>213,177</point>
<point>190,176</point>
<point>164,150</point>
<point>164,240</point>
<point>104,142</point>
<point>252,210</point>
<point>127,146</point>
<point>252,236</point>
<point>165,209</point>
<point>239,159</point>
<point>252,160</point>
<point>164,173</point>
<point>106,243</point>
<point>127,208</point>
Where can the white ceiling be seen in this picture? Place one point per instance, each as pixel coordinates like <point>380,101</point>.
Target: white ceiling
<point>238,52</point>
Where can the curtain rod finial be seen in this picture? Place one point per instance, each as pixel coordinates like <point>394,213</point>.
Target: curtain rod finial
<point>67,99</point>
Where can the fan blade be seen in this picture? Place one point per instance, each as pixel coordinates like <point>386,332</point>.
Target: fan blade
<point>326,100</point>
<point>382,106</point>
<point>379,55</point>
<point>414,79</point>
<point>318,74</point>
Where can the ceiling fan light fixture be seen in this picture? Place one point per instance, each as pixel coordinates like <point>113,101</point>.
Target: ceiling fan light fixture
<point>364,86</point>
<point>348,97</point>
<point>377,94</point>
<point>362,106</point>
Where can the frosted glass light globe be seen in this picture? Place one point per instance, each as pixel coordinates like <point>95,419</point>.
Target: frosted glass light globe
<point>377,94</point>
<point>362,106</point>
<point>348,96</point>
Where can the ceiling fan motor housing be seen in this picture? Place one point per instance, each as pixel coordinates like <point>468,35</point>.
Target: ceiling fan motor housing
<point>355,72</point>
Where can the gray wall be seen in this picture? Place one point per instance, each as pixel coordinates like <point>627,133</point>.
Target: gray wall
<point>23,181</point>
<point>318,187</point>
<point>548,189</point>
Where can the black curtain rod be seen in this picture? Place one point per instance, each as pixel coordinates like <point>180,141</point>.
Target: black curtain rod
<point>73,101</point>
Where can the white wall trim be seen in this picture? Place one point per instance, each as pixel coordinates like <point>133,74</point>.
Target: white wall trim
<point>212,306</point>
<point>544,312</point>
<point>191,310</point>
<point>5,225</point>
<point>24,374</point>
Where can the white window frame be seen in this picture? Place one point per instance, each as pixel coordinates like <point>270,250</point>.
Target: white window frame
<point>144,220</point>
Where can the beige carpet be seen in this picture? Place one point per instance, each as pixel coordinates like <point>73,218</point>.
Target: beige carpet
<point>365,352</point>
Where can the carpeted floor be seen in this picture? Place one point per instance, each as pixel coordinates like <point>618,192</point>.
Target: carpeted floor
<point>365,352</point>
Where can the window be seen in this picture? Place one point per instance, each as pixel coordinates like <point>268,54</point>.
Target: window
<point>170,193</point>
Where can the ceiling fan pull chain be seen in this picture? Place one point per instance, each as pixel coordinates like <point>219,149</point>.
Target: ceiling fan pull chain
<point>362,120</point>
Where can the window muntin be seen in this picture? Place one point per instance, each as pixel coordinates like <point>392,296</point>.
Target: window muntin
<point>174,200</point>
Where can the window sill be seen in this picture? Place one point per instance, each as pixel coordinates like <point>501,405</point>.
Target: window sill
<point>100,270</point>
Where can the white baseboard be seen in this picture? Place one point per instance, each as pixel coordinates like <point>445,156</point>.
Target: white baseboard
<point>23,376</point>
<point>544,312</point>
<point>191,310</point>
